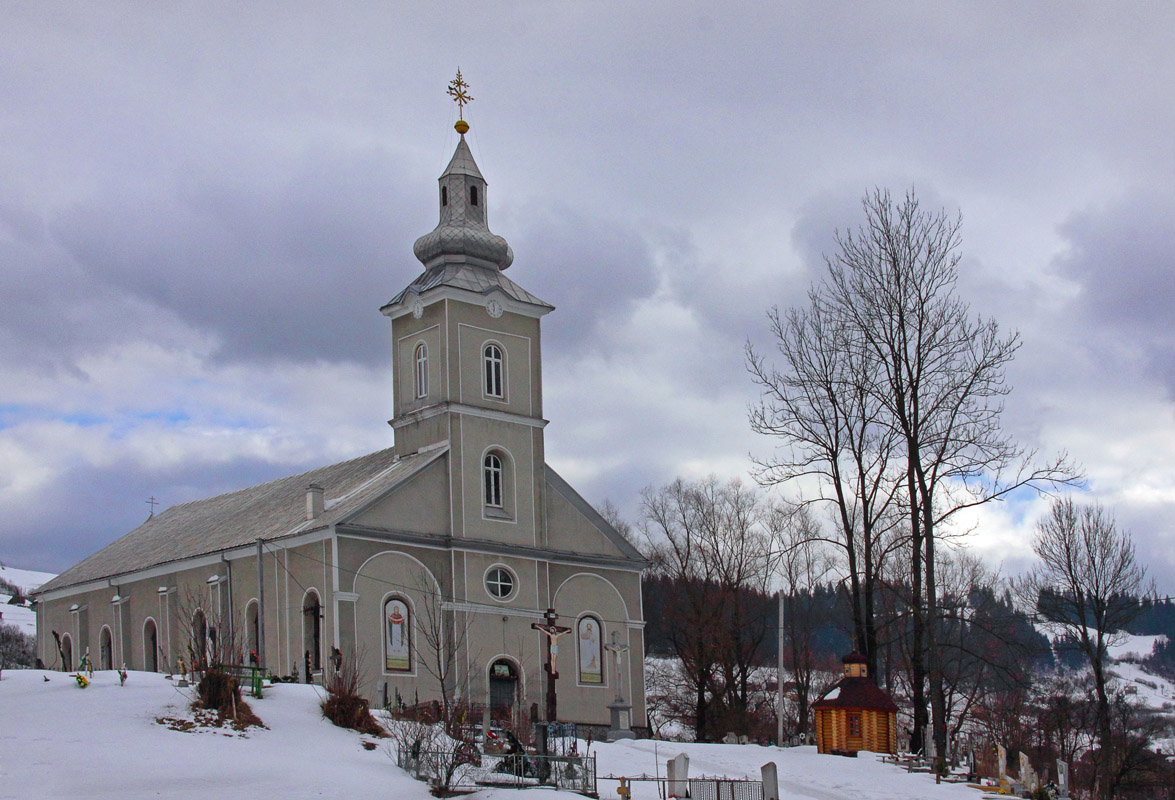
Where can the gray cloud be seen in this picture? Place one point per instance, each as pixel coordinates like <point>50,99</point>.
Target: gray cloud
<point>240,187</point>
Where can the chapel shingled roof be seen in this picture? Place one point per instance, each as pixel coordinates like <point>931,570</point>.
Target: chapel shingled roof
<point>268,511</point>
<point>856,693</point>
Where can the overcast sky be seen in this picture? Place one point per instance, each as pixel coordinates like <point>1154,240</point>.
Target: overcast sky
<point>203,206</point>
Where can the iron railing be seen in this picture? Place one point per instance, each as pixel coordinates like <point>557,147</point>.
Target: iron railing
<point>455,769</point>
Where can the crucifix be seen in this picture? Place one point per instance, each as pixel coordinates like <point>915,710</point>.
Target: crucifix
<point>552,632</point>
<point>152,502</point>
<point>618,650</point>
<point>621,711</point>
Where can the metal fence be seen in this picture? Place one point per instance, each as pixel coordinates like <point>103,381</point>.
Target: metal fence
<point>456,769</point>
<point>725,789</point>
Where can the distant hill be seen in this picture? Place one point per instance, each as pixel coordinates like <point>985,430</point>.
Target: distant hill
<point>25,580</point>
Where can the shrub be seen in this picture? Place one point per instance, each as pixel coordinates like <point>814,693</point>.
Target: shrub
<point>17,648</point>
<point>219,691</point>
<point>344,705</point>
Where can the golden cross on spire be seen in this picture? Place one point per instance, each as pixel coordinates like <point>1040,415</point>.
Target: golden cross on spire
<point>458,91</point>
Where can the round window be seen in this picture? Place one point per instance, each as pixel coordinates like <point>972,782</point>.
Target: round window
<point>500,583</point>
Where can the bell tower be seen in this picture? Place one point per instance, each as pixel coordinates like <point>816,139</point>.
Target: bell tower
<point>467,360</point>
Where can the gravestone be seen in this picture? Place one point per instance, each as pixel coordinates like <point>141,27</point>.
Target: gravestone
<point>1002,760</point>
<point>770,774</point>
<point>1027,773</point>
<point>678,772</point>
<point>1062,780</point>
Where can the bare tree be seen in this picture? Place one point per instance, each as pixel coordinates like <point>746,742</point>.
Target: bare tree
<point>823,407</point>
<point>1086,584</point>
<point>803,565</point>
<point>611,515</point>
<point>445,633</point>
<point>708,538</point>
<point>939,373</point>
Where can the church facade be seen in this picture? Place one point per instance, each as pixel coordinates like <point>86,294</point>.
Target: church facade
<point>427,562</point>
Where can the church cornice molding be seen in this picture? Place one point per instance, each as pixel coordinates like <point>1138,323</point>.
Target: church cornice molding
<point>437,294</point>
<point>488,547</point>
<point>422,414</point>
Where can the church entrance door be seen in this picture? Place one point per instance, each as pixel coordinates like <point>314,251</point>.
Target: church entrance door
<point>503,688</point>
<point>150,647</point>
<point>106,650</point>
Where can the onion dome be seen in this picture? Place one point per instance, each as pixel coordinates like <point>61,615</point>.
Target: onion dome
<point>462,235</point>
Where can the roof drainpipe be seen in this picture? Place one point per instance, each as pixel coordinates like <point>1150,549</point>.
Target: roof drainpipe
<point>314,502</point>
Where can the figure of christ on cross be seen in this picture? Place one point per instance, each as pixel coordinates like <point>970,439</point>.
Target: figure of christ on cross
<point>552,632</point>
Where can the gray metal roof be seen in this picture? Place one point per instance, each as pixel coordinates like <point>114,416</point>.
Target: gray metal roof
<point>269,511</point>
<point>470,278</point>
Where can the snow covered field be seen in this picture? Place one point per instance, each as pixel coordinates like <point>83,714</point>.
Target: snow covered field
<point>59,741</point>
<point>27,580</point>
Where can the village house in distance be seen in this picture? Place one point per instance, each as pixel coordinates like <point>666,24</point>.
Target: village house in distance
<point>462,517</point>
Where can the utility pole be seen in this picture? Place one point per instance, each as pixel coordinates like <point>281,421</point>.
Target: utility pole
<point>779,678</point>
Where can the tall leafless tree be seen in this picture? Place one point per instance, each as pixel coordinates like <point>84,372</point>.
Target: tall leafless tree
<point>888,350</point>
<point>835,434</point>
<point>941,378</point>
<point>1087,583</point>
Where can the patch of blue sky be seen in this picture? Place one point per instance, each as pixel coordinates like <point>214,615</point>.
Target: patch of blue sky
<point>13,414</point>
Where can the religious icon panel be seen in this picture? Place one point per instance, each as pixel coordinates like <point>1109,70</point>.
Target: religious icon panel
<point>397,636</point>
<point>591,661</point>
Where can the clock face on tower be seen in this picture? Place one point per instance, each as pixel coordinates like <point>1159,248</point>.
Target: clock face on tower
<point>494,309</point>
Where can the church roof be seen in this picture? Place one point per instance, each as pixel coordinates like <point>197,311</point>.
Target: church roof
<point>268,511</point>
<point>470,278</point>
<point>856,693</point>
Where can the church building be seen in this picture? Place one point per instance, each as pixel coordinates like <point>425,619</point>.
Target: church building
<point>428,561</point>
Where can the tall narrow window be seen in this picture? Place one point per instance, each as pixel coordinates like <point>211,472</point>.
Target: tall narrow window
<point>444,195</point>
<point>493,480</point>
<point>421,370</point>
<point>493,371</point>
<point>472,195</point>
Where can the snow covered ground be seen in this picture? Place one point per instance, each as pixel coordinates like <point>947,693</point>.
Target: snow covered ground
<point>59,741</point>
<point>26,580</point>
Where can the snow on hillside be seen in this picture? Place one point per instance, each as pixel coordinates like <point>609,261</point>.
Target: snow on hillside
<point>59,741</point>
<point>1129,646</point>
<point>26,580</point>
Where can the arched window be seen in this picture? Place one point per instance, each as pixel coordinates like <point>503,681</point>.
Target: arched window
<point>444,195</point>
<point>421,370</point>
<point>472,195</point>
<point>397,635</point>
<point>590,641</point>
<point>494,387</point>
<point>493,480</point>
<point>312,629</point>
